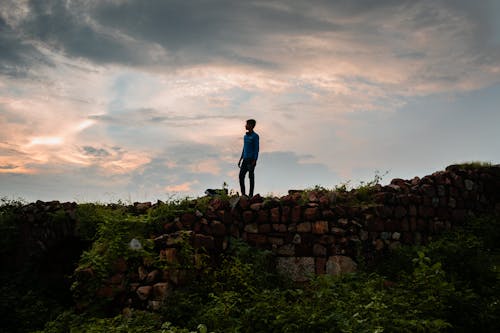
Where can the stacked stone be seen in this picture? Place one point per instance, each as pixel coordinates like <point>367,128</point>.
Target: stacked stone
<point>313,232</point>
<point>411,211</point>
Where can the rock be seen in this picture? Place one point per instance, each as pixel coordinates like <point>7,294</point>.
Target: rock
<point>286,250</point>
<point>144,292</point>
<point>142,207</point>
<point>203,241</point>
<point>105,292</point>
<point>252,228</point>
<point>142,272</point>
<point>248,216</point>
<point>297,239</point>
<point>298,269</point>
<point>256,206</point>
<point>218,228</point>
<point>304,227</point>
<point>320,227</point>
<point>296,214</point>
<point>160,291</point>
<point>338,231</point>
<point>244,202</point>
<point>319,250</point>
<point>280,227</point>
<point>153,276</point>
<point>337,265</point>
<point>276,241</point>
<point>275,215</point>
<point>469,185</point>
<point>311,214</point>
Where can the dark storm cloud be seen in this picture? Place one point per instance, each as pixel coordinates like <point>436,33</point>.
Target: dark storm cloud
<point>177,33</point>
<point>189,31</point>
<point>17,56</point>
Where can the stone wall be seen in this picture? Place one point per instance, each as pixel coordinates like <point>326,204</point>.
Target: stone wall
<point>322,232</point>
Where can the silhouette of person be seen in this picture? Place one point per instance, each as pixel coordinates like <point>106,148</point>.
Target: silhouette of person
<point>249,156</point>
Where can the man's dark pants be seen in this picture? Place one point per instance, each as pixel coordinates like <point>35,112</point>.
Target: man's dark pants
<point>247,166</point>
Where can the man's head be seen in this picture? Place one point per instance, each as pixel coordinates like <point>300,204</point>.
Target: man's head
<point>250,124</point>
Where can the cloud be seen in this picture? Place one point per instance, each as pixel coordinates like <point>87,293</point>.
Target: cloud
<point>184,187</point>
<point>96,152</point>
<point>154,94</point>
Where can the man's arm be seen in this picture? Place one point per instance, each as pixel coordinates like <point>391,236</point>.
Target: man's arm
<point>256,150</point>
<point>241,158</point>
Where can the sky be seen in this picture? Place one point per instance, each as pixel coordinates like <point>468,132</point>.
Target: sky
<point>147,100</point>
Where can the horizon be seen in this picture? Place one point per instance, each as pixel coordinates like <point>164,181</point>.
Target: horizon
<point>127,100</point>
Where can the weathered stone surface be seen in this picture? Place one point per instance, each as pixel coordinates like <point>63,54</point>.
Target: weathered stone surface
<point>106,291</point>
<point>142,207</point>
<point>320,227</point>
<point>218,228</point>
<point>256,206</point>
<point>285,214</point>
<point>320,266</point>
<point>263,216</point>
<point>469,184</point>
<point>338,231</point>
<point>296,214</point>
<point>299,269</point>
<point>264,228</point>
<point>248,216</point>
<point>286,250</point>
<point>252,228</point>
<point>143,292</point>
<point>311,214</point>
<point>257,239</point>
<point>203,241</point>
<point>275,215</point>
<point>304,227</point>
<point>120,265</point>
<point>117,278</point>
<point>337,265</point>
<point>297,239</point>
<point>319,250</point>
<point>276,241</point>
<point>160,291</point>
<point>400,212</point>
<point>244,202</point>
<point>153,276</point>
<point>187,219</point>
<point>280,227</point>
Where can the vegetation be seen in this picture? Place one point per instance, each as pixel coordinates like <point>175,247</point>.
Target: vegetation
<point>450,285</point>
<point>473,165</point>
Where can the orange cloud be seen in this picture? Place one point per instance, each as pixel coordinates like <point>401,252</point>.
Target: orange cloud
<point>184,187</point>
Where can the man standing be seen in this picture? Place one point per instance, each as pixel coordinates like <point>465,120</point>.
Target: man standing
<point>249,156</point>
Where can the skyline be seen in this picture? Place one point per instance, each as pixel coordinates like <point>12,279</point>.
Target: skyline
<point>138,101</point>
